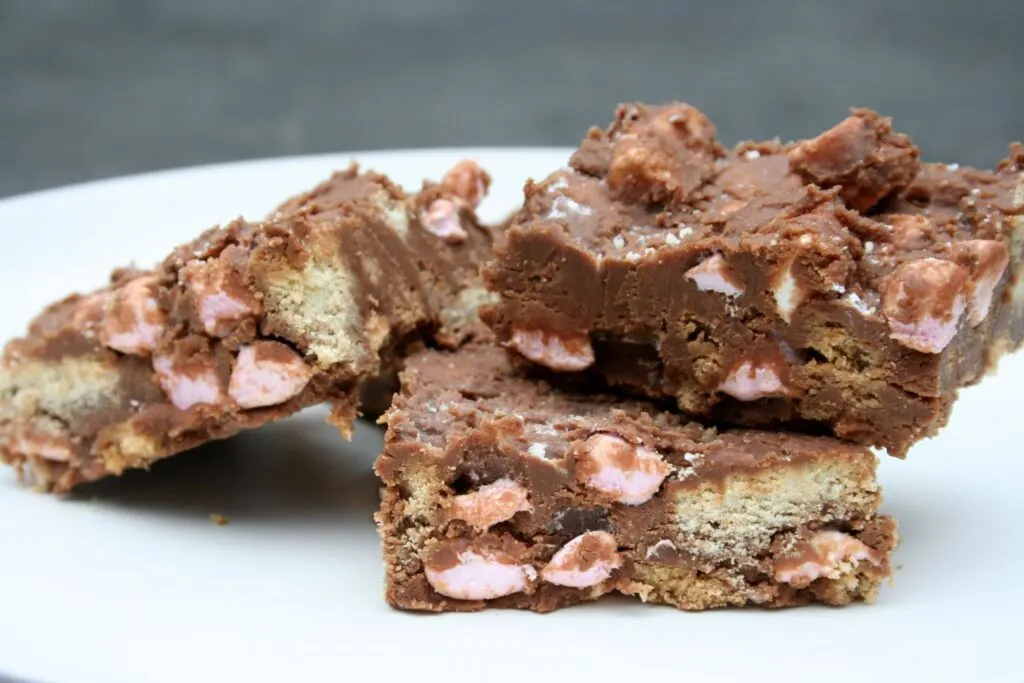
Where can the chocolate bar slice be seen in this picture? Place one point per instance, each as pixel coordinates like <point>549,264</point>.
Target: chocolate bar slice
<point>834,283</point>
<point>250,322</point>
<point>503,491</point>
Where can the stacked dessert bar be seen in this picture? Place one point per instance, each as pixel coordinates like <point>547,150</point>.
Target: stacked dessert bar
<point>688,353</point>
<point>702,345</point>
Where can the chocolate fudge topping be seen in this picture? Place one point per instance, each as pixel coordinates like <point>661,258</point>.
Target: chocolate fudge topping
<point>834,282</point>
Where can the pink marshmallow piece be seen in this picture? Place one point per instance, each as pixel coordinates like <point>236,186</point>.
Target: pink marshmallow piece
<point>564,569</point>
<point>266,374</point>
<point>930,334</point>
<point>490,504</point>
<point>990,259</point>
<point>207,281</point>
<point>833,549</point>
<point>467,182</point>
<point>442,219</point>
<point>748,382</point>
<point>480,577</point>
<point>567,352</point>
<point>136,301</point>
<point>185,391</point>
<point>629,474</point>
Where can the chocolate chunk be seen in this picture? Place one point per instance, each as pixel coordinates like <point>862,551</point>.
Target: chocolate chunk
<point>862,156</point>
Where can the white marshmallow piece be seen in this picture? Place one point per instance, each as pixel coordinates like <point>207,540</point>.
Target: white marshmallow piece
<point>981,298</point>
<point>664,545</point>
<point>567,207</point>
<point>712,275</point>
<point>787,293</point>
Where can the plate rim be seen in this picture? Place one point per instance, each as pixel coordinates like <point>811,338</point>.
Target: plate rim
<point>297,159</point>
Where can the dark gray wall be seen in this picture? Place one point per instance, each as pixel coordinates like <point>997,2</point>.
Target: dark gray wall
<point>95,88</point>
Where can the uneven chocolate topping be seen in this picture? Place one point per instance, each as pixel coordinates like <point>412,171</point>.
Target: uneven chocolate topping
<point>860,155</point>
<point>835,281</point>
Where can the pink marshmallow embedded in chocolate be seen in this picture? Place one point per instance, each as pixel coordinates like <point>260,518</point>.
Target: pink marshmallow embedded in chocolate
<point>491,504</point>
<point>267,373</point>
<point>585,561</point>
<point>467,182</point>
<point>930,334</point>
<point>198,384</point>
<point>749,382</point>
<point>134,323</point>
<point>218,303</point>
<point>714,275</point>
<point>480,575</point>
<point>923,302</point>
<point>827,554</point>
<point>561,351</point>
<point>985,262</point>
<point>626,473</point>
<point>443,220</point>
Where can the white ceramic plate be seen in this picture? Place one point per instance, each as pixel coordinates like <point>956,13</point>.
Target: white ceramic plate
<point>132,581</point>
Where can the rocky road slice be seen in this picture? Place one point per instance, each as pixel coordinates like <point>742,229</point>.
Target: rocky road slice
<point>501,491</point>
<point>250,322</point>
<point>835,282</point>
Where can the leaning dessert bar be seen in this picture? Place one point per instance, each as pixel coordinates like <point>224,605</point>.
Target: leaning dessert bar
<point>502,491</point>
<point>833,283</point>
<point>248,323</point>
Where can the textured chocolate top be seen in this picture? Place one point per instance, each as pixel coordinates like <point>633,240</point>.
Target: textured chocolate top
<point>851,205</point>
<point>330,220</point>
<point>448,397</point>
<point>837,281</point>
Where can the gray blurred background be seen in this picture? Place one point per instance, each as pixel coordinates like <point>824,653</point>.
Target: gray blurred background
<point>97,88</point>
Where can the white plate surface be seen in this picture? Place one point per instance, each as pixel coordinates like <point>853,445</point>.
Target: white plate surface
<point>132,582</point>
